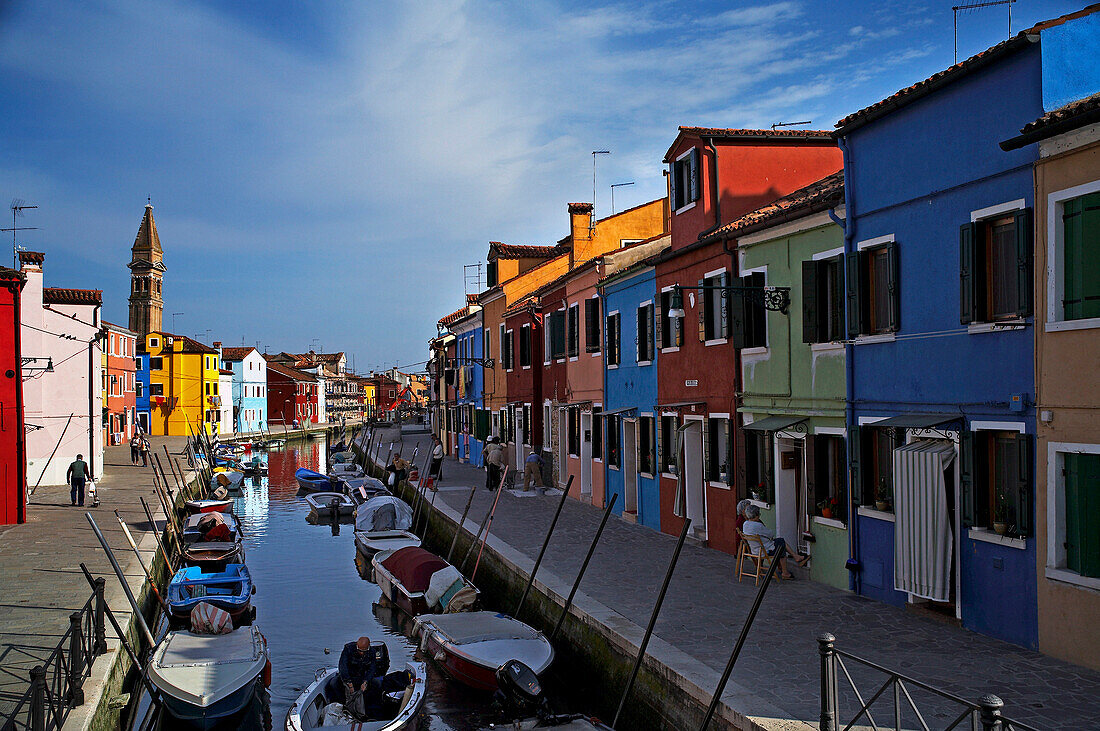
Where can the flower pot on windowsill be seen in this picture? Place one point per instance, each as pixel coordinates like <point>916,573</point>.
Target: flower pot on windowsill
<point>826,512</point>
<point>882,506</point>
<point>1000,528</point>
<point>758,497</point>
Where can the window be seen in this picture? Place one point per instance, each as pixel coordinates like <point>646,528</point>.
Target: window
<point>154,342</point>
<point>668,443</point>
<point>645,333</point>
<point>491,273</point>
<point>487,348</point>
<point>137,363</point>
<point>156,363</point>
<point>592,325</point>
<point>525,346</point>
<point>671,333</point>
<point>995,268</point>
<point>823,300</point>
<point>501,339</point>
<point>611,443</point>
<point>647,457</point>
<point>507,350</point>
<point>574,331</point>
<point>1081,257</point>
<point>1082,501</point>
<point>758,465</point>
<point>684,179</point>
<point>713,318</point>
<point>525,413</point>
<point>996,480</point>
<point>573,431</point>
<point>557,334</point>
<point>873,466</point>
<point>826,476</point>
<point>156,389</point>
<point>719,459</point>
<point>597,432</point>
<point>612,333</point>
<point>873,296</point>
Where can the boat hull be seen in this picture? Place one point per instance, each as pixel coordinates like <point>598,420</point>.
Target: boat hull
<point>320,504</point>
<point>304,714</point>
<point>213,557</point>
<point>370,543</point>
<point>393,590</point>
<point>208,506</point>
<point>459,667</point>
<point>212,716</point>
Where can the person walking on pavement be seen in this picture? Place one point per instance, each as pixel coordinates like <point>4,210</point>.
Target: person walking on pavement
<point>135,448</point>
<point>144,452</point>
<point>77,476</point>
<point>532,468</point>
<point>494,463</point>
<point>436,471</point>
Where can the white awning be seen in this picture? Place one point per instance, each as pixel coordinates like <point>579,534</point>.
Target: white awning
<point>923,539</point>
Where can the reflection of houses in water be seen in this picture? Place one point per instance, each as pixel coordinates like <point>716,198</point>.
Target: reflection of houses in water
<point>282,463</point>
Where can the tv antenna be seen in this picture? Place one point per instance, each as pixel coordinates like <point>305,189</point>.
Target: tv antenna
<point>777,125</point>
<point>613,187</point>
<point>592,220</point>
<point>18,205</point>
<point>471,279</point>
<point>972,7</point>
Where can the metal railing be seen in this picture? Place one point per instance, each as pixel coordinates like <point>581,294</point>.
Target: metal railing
<point>985,715</point>
<point>57,685</point>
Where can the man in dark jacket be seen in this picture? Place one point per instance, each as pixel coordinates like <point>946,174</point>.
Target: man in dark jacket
<point>363,668</point>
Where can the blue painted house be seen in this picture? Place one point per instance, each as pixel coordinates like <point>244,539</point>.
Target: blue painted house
<point>473,420</point>
<point>141,391</point>
<point>627,288</point>
<point>938,284</point>
<point>249,388</point>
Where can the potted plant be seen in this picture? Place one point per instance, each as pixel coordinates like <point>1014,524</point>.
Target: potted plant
<point>828,507</point>
<point>1000,514</point>
<point>884,495</point>
<point>758,493</point>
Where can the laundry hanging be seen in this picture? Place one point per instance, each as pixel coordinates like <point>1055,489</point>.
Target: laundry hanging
<point>923,536</point>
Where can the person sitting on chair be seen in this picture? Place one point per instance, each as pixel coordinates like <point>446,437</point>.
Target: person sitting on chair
<point>754,527</point>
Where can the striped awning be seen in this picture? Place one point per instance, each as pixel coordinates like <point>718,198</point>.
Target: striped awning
<point>923,536</point>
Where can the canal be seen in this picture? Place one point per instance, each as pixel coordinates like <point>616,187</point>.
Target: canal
<point>311,598</point>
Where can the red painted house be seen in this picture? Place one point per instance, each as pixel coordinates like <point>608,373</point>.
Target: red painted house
<point>716,176</point>
<point>120,400</point>
<point>291,395</point>
<point>522,426</point>
<point>13,451</point>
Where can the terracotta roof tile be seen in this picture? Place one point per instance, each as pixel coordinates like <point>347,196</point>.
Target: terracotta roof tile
<point>1057,121</point>
<point>31,257</point>
<point>497,250</point>
<point>1064,113</point>
<point>236,353</point>
<point>6,274</point>
<point>118,328</point>
<point>819,195</point>
<point>809,136</point>
<point>63,296</point>
<point>455,316</point>
<point>291,373</point>
<point>942,78</point>
<point>580,208</point>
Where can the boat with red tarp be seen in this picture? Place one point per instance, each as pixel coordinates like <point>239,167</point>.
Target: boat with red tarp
<point>419,582</point>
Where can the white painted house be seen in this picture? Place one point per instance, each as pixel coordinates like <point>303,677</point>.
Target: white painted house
<point>249,387</point>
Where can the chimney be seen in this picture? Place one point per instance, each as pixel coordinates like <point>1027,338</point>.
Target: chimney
<point>580,232</point>
<point>218,344</point>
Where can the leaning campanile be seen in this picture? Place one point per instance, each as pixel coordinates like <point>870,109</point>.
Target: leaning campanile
<point>146,273</point>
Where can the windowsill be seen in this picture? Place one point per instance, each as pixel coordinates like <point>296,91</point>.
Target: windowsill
<point>825,347</point>
<point>574,456</point>
<point>715,341</point>
<point>597,459</point>
<point>669,475</point>
<point>761,504</point>
<point>671,349</point>
<point>572,359</point>
<point>1072,577</point>
<point>525,368</point>
<point>612,366</point>
<point>597,354</point>
<point>758,350</point>
<point>688,207</point>
<point>876,514</point>
<point>644,363</point>
<point>986,535</point>
<point>975,328</point>
<point>872,339</point>
<point>718,485</point>
<point>1086,323</point>
<point>647,475</point>
<point>831,522</point>
<point>613,467</point>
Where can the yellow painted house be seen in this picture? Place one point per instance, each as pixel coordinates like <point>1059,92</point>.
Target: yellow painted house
<point>183,385</point>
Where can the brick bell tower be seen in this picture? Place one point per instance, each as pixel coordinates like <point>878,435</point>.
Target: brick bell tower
<point>146,274</point>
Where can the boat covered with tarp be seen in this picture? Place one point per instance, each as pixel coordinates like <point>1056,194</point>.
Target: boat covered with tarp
<point>419,582</point>
<point>382,523</point>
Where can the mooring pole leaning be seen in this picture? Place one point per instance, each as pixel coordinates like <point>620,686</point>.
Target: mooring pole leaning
<point>492,514</point>
<point>156,533</point>
<point>122,580</point>
<point>545,543</point>
<point>652,621</point>
<point>584,566</point>
<point>461,523</point>
<point>481,527</point>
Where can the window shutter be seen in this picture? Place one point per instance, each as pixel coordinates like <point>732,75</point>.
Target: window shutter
<point>855,467</point>
<point>659,443</point>
<point>727,455</point>
<point>708,473</point>
<point>893,285</point>
<point>967,273</point>
<point>693,172</point>
<point>1022,485</point>
<point>659,319</point>
<point>701,307</point>
<point>855,308</point>
<point>672,186</point>
<point>736,316</point>
<point>810,316</point>
<point>810,455</point>
<point>966,478</point>
<point>640,339</point>
<point>1025,248</point>
<point>1082,473</point>
<point>724,310</point>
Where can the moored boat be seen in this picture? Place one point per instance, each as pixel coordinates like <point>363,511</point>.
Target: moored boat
<point>323,504</point>
<point>382,523</point>
<point>362,489</point>
<point>341,457</point>
<point>347,469</point>
<point>212,541</point>
<point>208,506</point>
<point>313,481</point>
<point>229,590</point>
<point>470,646</point>
<point>204,678</point>
<point>320,704</point>
<point>419,582</point>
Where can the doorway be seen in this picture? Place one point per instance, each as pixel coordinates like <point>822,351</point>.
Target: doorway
<point>693,477</point>
<point>792,510</point>
<point>563,445</point>
<point>586,454</point>
<point>630,466</point>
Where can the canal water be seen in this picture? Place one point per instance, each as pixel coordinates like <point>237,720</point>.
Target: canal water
<point>311,597</point>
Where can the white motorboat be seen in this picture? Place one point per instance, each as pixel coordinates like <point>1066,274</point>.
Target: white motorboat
<point>323,504</point>
<point>470,646</point>
<point>320,705</point>
<point>382,524</point>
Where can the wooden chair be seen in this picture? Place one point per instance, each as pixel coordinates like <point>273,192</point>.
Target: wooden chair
<point>759,562</point>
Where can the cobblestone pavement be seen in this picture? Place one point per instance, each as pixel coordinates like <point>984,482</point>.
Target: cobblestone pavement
<point>40,579</point>
<point>706,607</point>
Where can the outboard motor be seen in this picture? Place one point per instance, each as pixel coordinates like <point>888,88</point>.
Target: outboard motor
<point>520,693</point>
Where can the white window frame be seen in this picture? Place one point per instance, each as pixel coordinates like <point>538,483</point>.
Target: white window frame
<point>1056,569</point>
<point>698,171</point>
<point>1056,255</point>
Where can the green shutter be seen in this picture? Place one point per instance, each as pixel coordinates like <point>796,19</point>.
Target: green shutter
<point>693,173</point>
<point>966,478</point>
<point>1025,247</point>
<point>855,468</point>
<point>967,273</point>
<point>1022,487</point>
<point>701,306</point>
<point>810,457</point>
<point>810,316</point>
<point>855,302</point>
<point>1082,472</point>
<point>482,424</point>
<point>893,285</point>
<point>1081,258</point>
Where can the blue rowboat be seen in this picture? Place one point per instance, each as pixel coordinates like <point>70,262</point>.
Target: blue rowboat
<point>313,481</point>
<point>229,590</point>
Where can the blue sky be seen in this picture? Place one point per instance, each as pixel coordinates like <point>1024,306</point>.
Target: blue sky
<point>321,171</point>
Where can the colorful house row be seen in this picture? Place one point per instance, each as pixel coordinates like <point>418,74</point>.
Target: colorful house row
<point>880,335</point>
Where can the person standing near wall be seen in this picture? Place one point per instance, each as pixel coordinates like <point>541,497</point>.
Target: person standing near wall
<point>77,476</point>
<point>436,472</point>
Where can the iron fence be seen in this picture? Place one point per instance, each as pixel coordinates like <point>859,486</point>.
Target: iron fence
<point>957,712</point>
<point>57,685</point>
